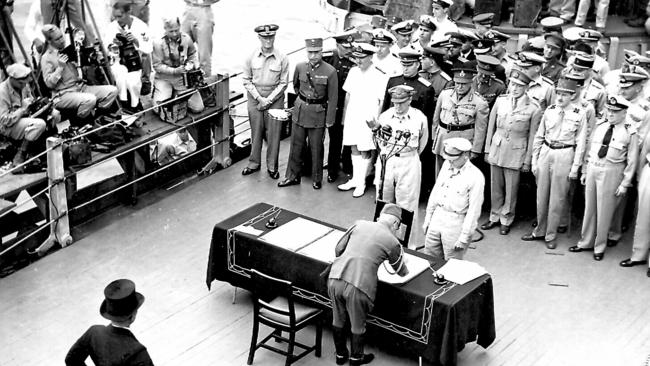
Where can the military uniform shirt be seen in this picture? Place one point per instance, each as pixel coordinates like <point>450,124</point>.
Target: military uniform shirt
<point>638,115</point>
<point>60,80</point>
<point>489,89</point>
<point>413,121</point>
<point>623,148</point>
<point>471,109</point>
<point>266,72</point>
<point>424,96</point>
<point>594,92</point>
<point>439,80</point>
<point>389,64</point>
<point>138,28</point>
<point>319,82</point>
<point>10,101</point>
<point>167,52</point>
<point>342,65</point>
<point>553,69</point>
<point>542,91</point>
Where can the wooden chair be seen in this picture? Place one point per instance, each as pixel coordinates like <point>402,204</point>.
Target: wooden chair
<point>407,221</point>
<point>282,314</point>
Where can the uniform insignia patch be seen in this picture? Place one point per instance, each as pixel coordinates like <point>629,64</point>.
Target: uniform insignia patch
<point>424,82</point>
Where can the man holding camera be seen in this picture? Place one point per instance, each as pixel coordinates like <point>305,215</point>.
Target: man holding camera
<point>69,90</point>
<point>173,56</point>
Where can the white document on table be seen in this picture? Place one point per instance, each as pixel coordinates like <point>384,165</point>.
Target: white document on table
<point>415,265</point>
<point>323,249</point>
<point>296,234</point>
<point>248,230</point>
<point>461,271</point>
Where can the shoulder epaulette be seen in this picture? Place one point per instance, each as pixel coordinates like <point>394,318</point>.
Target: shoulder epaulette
<point>424,81</point>
<point>630,128</point>
<point>480,96</point>
<point>550,81</point>
<point>445,75</point>
<point>328,53</point>
<point>498,81</point>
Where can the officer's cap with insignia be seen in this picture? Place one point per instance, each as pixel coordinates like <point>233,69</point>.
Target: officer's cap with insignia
<point>378,21</point>
<point>427,21</point>
<point>535,45</point>
<point>266,30</point>
<point>519,77</point>
<point>528,59</point>
<point>346,38</point>
<point>382,36</point>
<point>404,28</point>
<point>455,147</point>
<point>314,44</point>
<point>361,50</point>
<point>465,73</point>
<point>434,51</point>
<point>590,35</point>
<point>443,3</point>
<point>628,54</point>
<point>578,75</point>
<point>483,19</point>
<point>633,76</point>
<point>482,46</point>
<point>572,34</point>
<point>392,20</point>
<point>409,56</point>
<point>456,38</point>
<point>640,60</point>
<point>566,85</point>
<point>617,103</point>
<point>583,61</point>
<point>50,31</point>
<point>551,24</point>
<point>400,93</point>
<point>18,71</point>
<point>496,36</point>
<point>486,64</point>
<point>555,40</point>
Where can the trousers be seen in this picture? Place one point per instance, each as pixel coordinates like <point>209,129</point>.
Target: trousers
<point>72,10</point>
<point>443,232</point>
<point>165,88</point>
<point>198,22</point>
<point>504,186</point>
<point>348,301</point>
<point>299,135</point>
<point>602,7</point>
<point>334,150</point>
<point>264,127</point>
<point>29,129</point>
<point>85,100</point>
<point>127,83</point>
<point>565,8</point>
<point>641,244</point>
<point>402,180</point>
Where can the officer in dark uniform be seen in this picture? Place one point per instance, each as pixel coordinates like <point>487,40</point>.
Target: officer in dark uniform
<point>486,47</point>
<point>342,63</point>
<point>316,83</point>
<point>553,53</point>
<point>432,61</point>
<point>456,53</point>
<point>483,23</point>
<point>485,83</point>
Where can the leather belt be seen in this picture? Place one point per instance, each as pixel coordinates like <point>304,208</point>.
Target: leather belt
<point>312,100</point>
<point>456,127</point>
<point>558,145</point>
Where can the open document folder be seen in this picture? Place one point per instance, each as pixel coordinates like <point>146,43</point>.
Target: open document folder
<point>415,265</point>
<point>296,234</point>
<point>461,271</point>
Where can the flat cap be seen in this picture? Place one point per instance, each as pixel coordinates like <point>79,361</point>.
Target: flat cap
<point>484,19</point>
<point>404,27</point>
<point>486,64</point>
<point>566,85</point>
<point>363,49</point>
<point>455,146</point>
<point>400,93</point>
<point>18,71</point>
<point>465,73</point>
<point>583,61</point>
<point>427,21</point>
<point>555,40</point>
<point>482,46</point>
<point>409,56</point>
<point>382,36</point>
<point>617,103</point>
<point>632,76</point>
<point>519,77</point>
<point>551,24</point>
<point>393,210</point>
<point>347,38</point>
<point>378,21</point>
<point>314,44</point>
<point>444,3</point>
<point>266,30</point>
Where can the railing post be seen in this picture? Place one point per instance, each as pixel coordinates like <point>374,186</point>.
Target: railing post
<point>60,222</point>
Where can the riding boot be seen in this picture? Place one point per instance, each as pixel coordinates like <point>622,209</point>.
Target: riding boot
<point>358,357</point>
<point>340,343</point>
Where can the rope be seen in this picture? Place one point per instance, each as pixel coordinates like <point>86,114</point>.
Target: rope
<point>28,236</point>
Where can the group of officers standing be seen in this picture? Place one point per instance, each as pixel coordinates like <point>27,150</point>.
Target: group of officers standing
<point>549,116</point>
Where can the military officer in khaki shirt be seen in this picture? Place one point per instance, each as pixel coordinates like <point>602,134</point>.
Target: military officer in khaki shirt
<point>558,151</point>
<point>607,174</point>
<point>485,83</point>
<point>541,87</point>
<point>509,147</point>
<point>316,83</point>
<point>460,112</point>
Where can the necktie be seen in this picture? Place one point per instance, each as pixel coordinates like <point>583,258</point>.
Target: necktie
<point>602,152</point>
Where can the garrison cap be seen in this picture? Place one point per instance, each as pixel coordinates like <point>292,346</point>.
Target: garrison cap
<point>519,77</point>
<point>314,44</point>
<point>583,61</point>
<point>555,40</point>
<point>632,76</point>
<point>427,21</point>
<point>347,38</point>
<point>400,93</point>
<point>18,71</point>
<point>455,146</point>
<point>393,210</point>
<point>528,59</point>
<point>266,30</point>
<point>434,50</point>
<point>409,56</point>
<point>566,85</point>
<point>465,73</point>
<point>363,49</point>
<point>49,30</point>
<point>482,46</point>
<point>404,27</point>
<point>496,36</point>
<point>617,103</point>
<point>382,36</point>
<point>444,3</point>
<point>551,24</point>
<point>484,19</point>
<point>456,38</point>
<point>486,64</point>
<point>378,21</point>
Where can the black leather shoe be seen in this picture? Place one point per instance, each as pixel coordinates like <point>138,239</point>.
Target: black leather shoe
<point>551,244</point>
<point>648,272</point>
<point>248,171</point>
<point>316,185</point>
<point>341,360</point>
<point>531,237</point>
<point>612,243</point>
<point>289,182</point>
<point>489,225</point>
<point>331,178</point>
<point>599,256</point>
<point>562,229</point>
<point>577,249</point>
<point>274,175</point>
<point>630,263</point>
<point>504,229</point>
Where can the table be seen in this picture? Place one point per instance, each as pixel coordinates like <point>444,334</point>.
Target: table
<point>418,318</point>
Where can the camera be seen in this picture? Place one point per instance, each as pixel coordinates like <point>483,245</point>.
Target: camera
<point>129,54</point>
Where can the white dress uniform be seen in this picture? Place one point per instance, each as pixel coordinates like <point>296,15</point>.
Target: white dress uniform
<point>445,26</point>
<point>389,64</point>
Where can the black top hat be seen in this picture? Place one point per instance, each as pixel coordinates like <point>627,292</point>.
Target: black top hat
<point>121,300</point>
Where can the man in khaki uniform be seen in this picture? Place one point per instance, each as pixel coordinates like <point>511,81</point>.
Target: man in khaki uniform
<point>607,175</point>
<point>460,112</point>
<point>509,147</point>
<point>541,87</point>
<point>558,150</point>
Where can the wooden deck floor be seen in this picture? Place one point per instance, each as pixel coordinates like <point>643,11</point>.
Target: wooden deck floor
<point>554,308</point>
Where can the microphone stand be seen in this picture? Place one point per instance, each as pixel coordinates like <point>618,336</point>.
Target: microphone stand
<point>398,145</point>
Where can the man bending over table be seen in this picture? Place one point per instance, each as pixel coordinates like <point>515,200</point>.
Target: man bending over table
<point>352,283</point>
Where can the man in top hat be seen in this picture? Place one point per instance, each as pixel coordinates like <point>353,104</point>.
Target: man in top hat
<point>174,54</point>
<point>558,150</point>
<point>15,122</point>
<point>607,175</point>
<point>316,84</point>
<point>342,61</point>
<point>407,137</point>
<point>403,32</point>
<point>365,87</point>
<point>540,87</point>
<point>483,23</point>
<point>352,282</point>
<point>425,33</point>
<point>113,344</point>
<point>441,19</point>
<point>509,147</point>
<point>553,53</point>
<point>265,78</point>
<point>593,90</point>
<point>499,50</point>
<point>485,83</point>
<point>454,205</point>
<point>69,91</point>
<point>383,59</point>
<point>460,112</point>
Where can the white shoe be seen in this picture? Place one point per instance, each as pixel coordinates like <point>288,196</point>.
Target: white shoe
<point>359,191</point>
<point>347,185</point>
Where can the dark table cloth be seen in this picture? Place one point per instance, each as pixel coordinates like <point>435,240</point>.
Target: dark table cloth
<point>418,318</point>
